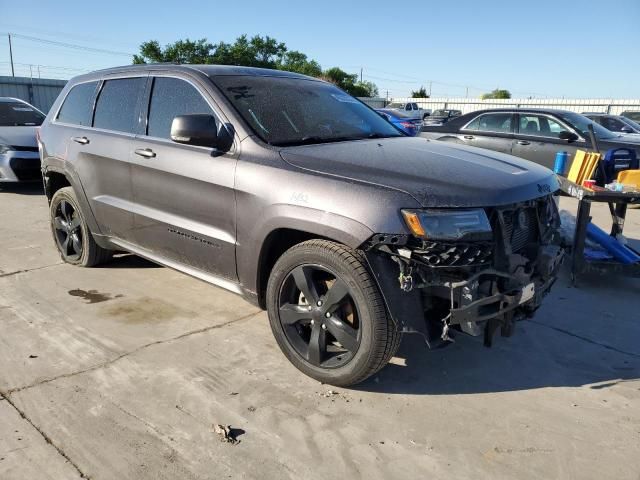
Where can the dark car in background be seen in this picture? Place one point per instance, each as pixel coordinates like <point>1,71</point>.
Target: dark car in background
<point>19,157</point>
<point>440,117</point>
<point>632,114</point>
<point>290,192</point>
<point>614,123</point>
<point>407,123</point>
<point>533,134</point>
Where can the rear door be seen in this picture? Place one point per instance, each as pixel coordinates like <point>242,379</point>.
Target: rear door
<point>537,139</point>
<point>100,154</point>
<point>184,195</point>
<point>493,131</point>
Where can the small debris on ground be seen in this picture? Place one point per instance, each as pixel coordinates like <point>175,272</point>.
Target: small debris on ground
<point>251,408</point>
<point>233,393</point>
<point>333,394</point>
<point>33,356</point>
<point>225,434</point>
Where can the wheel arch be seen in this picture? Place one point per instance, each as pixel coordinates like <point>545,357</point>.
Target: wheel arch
<point>284,232</point>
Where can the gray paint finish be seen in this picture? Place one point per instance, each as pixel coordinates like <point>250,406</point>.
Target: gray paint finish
<point>200,210</point>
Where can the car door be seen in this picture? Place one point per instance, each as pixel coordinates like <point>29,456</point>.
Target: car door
<point>537,139</point>
<point>184,194</point>
<point>100,155</point>
<point>493,131</point>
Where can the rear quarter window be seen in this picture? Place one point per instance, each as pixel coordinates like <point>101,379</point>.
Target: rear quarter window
<point>117,104</point>
<point>78,106</point>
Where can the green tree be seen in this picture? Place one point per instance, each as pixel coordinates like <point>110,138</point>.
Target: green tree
<point>349,83</point>
<point>257,51</point>
<point>420,93</point>
<point>294,61</point>
<point>182,51</point>
<point>497,94</point>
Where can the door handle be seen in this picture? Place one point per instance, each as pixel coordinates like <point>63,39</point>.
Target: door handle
<point>523,142</point>
<point>80,140</point>
<point>145,152</point>
<point>469,137</point>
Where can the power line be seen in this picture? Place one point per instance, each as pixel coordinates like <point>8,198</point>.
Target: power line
<point>71,45</point>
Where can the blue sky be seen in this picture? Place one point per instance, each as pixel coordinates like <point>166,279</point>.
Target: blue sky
<point>536,48</point>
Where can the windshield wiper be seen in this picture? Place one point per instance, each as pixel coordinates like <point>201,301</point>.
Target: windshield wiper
<point>312,140</point>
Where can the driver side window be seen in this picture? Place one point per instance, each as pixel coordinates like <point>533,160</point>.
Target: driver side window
<point>171,97</point>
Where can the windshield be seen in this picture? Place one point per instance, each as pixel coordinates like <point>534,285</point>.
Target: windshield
<point>290,111</point>
<point>396,105</point>
<point>581,124</point>
<point>441,113</point>
<point>631,123</point>
<point>17,114</point>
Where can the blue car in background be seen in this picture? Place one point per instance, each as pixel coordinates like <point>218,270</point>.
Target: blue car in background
<point>410,126</point>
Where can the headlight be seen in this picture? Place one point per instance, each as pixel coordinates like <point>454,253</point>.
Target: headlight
<point>448,224</point>
<point>4,148</point>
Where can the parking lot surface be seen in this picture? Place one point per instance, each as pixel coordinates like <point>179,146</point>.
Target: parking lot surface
<point>123,372</point>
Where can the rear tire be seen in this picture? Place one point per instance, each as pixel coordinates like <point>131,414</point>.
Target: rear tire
<point>328,315</point>
<point>71,233</point>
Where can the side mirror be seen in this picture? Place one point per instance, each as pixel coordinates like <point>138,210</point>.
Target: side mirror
<point>195,129</point>
<point>626,130</point>
<point>568,136</point>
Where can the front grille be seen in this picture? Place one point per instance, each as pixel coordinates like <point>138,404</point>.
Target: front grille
<point>24,149</point>
<point>26,169</point>
<point>455,254</point>
<point>521,227</point>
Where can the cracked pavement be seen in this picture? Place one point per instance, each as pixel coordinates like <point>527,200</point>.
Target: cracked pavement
<point>126,376</point>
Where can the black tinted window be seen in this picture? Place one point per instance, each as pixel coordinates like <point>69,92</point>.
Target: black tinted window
<point>172,97</point>
<point>491,122</point>
<point>18,114</point>
<point>116,107</point>
<point>78,105</point>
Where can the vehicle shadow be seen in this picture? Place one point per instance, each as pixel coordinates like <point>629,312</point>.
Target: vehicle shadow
<point>27,188</point>
<point>576,339</point>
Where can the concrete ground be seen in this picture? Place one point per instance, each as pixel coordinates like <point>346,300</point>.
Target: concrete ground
<point>121,372</point>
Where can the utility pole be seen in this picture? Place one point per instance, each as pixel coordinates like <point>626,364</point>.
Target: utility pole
<point>360,74</point>
<point>13,73</point>
<point>466,95</point>
<point>430,88</point>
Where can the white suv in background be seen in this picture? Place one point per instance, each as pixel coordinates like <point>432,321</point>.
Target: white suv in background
<point>411,108</point>
<point>19,157</point>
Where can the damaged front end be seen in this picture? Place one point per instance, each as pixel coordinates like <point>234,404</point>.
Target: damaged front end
<point>475,271</point>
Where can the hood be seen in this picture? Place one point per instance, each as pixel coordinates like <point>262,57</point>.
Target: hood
<point>435,173</point>
<point>632,139</point>
<point>18,136</point>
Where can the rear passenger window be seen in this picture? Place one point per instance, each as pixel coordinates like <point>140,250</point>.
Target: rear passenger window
<point>491,122</point>
<point>172,97</point>
<point>116,106</point>
<point>78,105</point>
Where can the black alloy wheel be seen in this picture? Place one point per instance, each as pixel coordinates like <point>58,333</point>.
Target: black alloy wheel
<point>68,231</point>
<point>319,317</point>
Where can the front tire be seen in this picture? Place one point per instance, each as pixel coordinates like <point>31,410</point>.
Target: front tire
<point>71,233</point>
<point>327,314</point>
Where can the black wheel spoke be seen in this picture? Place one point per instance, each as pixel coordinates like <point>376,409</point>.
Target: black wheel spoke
<point>75,244</point>
<point>59,224</point>
<point>66,211</point>
<point>65,245</point>
<point>335,296</point>
<point>344,333</point>
<point>317,345</point>
<point>303,278</point>
<point>290,314</point>
<point>75,223</point>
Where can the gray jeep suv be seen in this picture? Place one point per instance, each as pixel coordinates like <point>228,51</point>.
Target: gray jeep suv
<point>286,190</point>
